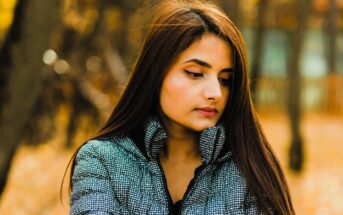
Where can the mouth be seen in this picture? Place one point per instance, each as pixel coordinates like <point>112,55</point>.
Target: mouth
<point>207,111</point>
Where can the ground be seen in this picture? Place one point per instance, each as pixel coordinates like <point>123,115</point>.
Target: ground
<point>37,171</point>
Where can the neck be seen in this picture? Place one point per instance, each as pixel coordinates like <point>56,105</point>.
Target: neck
<point>182,143</point>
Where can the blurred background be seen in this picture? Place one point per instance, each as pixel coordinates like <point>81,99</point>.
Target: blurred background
<point>63,64</point>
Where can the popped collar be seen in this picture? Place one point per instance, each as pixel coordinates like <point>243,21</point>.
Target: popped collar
<point>211,141</point>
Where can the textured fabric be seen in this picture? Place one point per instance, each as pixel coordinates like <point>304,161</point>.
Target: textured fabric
<point>112,176</point>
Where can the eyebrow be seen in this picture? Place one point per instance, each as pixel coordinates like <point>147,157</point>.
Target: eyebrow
<point>205,64</point>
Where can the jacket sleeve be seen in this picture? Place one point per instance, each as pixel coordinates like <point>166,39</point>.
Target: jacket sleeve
<point>92,192</point>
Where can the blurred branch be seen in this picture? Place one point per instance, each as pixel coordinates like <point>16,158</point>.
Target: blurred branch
<point>115,63</point>
<point>97,98</point>
<point>87,98</point>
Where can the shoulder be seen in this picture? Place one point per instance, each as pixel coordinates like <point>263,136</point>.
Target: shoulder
<point>91,178</point>
<point>109,148</point>
<point>108,154</point>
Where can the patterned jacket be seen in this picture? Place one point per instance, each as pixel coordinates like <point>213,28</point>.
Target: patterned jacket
<point>112,176</point>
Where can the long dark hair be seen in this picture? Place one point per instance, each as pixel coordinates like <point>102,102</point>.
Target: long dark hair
<point>176,26</point>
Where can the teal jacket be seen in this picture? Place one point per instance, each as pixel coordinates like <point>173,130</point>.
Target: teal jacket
<point>113,176</point>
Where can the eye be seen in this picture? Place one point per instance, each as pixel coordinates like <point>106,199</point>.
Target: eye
<point>193,74</point>
<point>224,81</point>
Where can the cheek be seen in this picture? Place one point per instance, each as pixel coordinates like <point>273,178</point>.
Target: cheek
<point>175,94</point>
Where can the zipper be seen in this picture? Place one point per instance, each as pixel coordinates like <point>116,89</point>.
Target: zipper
<point>197,172</point>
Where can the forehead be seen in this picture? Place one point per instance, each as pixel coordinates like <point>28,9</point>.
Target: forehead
<point>209,48</point>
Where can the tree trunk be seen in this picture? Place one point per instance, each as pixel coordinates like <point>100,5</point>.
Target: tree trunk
<point>332,30</point>
<point>294,88</point>
<point>23,82</point>
<point>231,8</point>
<point>258,47</point>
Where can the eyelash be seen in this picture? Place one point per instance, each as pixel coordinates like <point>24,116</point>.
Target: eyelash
<point>196,75</point>
<point>193,74</point>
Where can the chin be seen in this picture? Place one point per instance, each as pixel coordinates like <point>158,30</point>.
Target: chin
<point>202,126</point>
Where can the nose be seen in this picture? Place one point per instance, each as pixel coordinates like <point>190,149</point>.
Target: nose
<point>213,89</point>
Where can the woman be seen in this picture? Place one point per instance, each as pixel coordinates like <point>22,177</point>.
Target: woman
<point>184,137</point>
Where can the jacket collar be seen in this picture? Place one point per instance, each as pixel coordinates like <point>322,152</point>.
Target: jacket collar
<point>211,141</point>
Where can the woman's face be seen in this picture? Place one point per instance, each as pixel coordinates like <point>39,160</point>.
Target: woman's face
<point>195,90</point>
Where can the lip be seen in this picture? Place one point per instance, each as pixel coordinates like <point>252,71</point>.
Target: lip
<point>207,111</point>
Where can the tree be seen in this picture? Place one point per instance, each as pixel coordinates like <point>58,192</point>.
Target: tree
<point>296,152</point>
<point>232,9</point>
<point>20,68</point>
<point>108,43</point>
<point>331,29</point>
<point>258,46</point>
